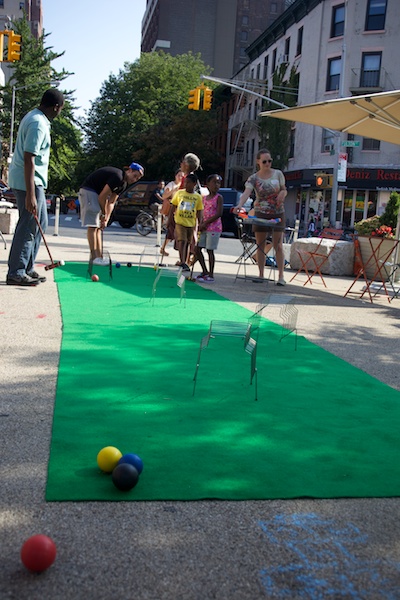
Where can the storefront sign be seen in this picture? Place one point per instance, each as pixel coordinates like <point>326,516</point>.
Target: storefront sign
<point>342,167</point>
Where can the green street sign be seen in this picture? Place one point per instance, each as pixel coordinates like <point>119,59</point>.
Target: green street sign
<point>350,144</point>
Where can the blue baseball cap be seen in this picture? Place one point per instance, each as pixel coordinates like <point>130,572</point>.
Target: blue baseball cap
<point>136,167</point>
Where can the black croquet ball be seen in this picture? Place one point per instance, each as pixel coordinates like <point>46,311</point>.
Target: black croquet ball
<point>125,477</point>
<point>129,264</point>
<point>132,459</point>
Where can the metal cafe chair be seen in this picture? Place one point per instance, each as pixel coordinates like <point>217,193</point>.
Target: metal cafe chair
<point>288,313</point>
<point>180,282</point>
<point>312,261</point>
<point>246,330</point>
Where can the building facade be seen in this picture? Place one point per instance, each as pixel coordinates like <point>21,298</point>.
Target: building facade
<point>339,49</point>
<point>220,30</point>
<point>12,10</point>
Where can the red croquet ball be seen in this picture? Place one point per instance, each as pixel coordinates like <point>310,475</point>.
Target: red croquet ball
<point>95,278</point>
<point>38,553</point>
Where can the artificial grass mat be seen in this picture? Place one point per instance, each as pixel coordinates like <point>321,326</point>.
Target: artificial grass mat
<point>320,428</point>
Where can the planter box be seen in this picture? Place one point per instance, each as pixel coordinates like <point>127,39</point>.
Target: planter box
<point>8,220</point>
<point>383,249</point>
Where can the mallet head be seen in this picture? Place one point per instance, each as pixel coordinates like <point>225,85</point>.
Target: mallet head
<point>54,265</point>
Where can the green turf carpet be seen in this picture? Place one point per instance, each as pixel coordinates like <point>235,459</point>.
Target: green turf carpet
<point>320,428</point>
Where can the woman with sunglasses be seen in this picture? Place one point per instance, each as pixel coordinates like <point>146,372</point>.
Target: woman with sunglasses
<point>270,189</point>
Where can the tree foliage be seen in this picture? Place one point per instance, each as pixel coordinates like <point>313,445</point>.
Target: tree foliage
<point>390,215</point>
<point>275,133</point>
<point>142,114</point>
<point>30,77</point>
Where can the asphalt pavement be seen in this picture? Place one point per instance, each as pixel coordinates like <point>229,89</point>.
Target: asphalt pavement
<point>304,548</point>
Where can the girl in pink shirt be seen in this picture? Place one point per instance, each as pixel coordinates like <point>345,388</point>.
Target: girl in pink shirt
<point>210,228</point>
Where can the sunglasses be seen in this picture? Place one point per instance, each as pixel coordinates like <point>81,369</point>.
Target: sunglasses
<point>265,161</point>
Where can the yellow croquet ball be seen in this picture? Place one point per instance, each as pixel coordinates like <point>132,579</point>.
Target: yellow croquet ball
<point>108,458</point>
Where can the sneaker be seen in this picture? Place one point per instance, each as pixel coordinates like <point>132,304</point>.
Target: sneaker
<point>36,275</point>
<point>101,262</point>
<point>281,282</point>
<point>208,279</point>
<point>22,280</point>
<point>185,267</point>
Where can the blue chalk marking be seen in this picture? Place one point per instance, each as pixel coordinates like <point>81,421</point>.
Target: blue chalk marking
<point>323,566</point>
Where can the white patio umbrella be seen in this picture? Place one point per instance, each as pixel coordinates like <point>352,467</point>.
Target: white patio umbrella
<point>374,116</point>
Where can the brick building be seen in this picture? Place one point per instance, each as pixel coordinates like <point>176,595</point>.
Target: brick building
<point>220,30</point>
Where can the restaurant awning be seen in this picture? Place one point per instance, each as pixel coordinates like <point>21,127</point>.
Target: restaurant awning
<point>374,116</point>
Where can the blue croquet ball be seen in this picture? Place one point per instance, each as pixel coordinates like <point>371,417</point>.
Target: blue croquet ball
<point>128,264</point>
<point>125,477</point>
<point>117,265</point>
<point>132,459</point>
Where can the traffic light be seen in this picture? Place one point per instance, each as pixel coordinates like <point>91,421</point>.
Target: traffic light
<point>14,47</point>
<point>207,99</point>
<point>323,181</point>
<point>194,99</point>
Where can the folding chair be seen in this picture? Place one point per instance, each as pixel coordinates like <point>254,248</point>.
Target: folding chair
<point>249,246</point>
<point>312,261</point>
<point>246,330</point>
<point>390,270</point>
<point>379,260</point>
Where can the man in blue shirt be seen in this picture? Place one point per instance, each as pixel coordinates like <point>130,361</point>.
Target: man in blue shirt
<point>28,180</point>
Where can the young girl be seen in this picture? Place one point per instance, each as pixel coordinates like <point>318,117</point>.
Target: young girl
<point>210,228</point>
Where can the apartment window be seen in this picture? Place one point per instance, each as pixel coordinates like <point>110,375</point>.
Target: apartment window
<point>258,71</point>
<point>273,7</point>
<point>273,66</point>
<point>244,36</point>
<point>1,3</point>
<point>243,52</point>
<point>245,20</point>
<point>370,144</point>
<point>370,69</point>
<point>287,48</point>
<point>21,5</point>
<point>333,79</point>
<point>338,15</point>
<point>328,141</point>
<point>376,15</point>
<point>266,67</point>
<point>299,47</point>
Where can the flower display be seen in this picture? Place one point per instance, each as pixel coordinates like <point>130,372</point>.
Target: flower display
<point>384,231</point>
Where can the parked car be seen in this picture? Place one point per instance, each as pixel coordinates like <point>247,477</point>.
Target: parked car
<point>231,199</point>
<point>129,204</point>
<point>51,203</point>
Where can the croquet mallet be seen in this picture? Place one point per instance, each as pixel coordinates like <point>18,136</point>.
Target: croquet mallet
<point>54,264</point>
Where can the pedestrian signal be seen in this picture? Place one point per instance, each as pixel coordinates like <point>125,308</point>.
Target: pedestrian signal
<point>323,180</point>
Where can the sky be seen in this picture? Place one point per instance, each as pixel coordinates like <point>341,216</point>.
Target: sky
<point>97,38</point>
